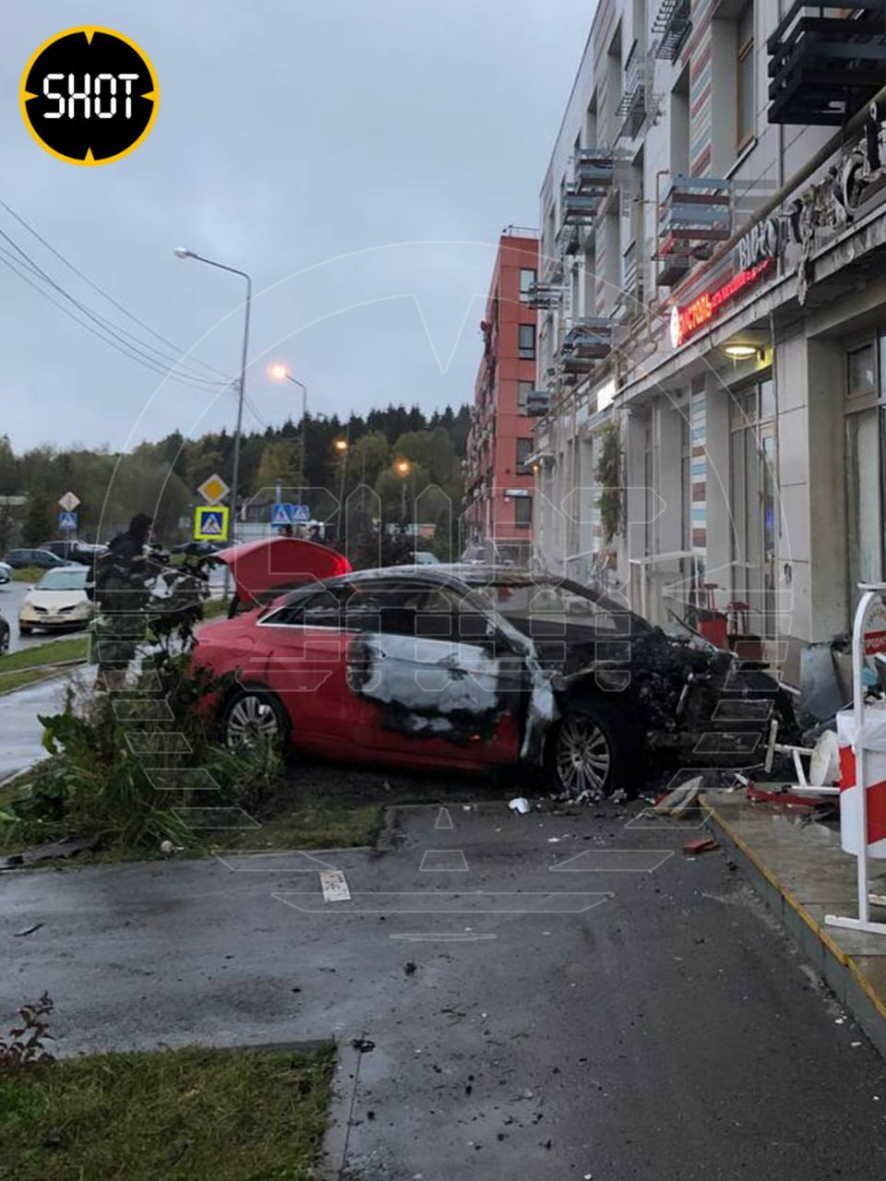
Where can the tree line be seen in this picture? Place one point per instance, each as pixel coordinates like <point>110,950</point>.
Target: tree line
<point>388,463</point>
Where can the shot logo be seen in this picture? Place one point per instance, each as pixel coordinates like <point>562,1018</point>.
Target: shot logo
<point>89,95</point>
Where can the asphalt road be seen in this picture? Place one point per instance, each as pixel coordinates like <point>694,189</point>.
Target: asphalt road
<point>543,996</point>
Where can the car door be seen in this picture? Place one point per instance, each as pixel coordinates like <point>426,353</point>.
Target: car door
<point>305,646</point>
<point>443,686</point>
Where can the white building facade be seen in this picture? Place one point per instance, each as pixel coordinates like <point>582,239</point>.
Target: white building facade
<point>712,314</point>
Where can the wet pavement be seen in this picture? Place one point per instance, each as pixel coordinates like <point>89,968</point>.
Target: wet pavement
<point>541,996</point>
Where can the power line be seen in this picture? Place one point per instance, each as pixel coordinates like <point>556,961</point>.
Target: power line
<point>137,346</point>
<point>105,295</point>
<point>15,267</point>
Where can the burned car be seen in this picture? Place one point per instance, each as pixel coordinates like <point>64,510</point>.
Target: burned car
<point>472,668</point>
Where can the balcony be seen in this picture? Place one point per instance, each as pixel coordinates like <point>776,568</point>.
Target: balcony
<point>568,240</point>
<point>696,211</point>
<point>672,25</point>
<point>589,339</point>
<point>579,208</point>
<point>825,68</point>
<point>633,107</point>
<point>538,403</point>
<point>543,295</point>
<point>594,171</point>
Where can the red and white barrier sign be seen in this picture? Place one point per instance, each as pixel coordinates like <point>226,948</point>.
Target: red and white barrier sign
<point>874,734</point>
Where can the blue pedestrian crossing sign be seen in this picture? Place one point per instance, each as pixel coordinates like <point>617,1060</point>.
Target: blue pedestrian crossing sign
<point>289,514</point>
<point>67,520</point>
<point>211,522</point>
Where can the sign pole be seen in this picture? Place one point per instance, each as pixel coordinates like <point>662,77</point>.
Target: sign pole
<point>871,593</point>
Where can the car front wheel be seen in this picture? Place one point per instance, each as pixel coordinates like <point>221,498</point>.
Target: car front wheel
<point>592,754</point>
<point>253,716</point>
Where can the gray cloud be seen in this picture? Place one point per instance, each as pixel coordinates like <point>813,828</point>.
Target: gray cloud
<point>310,145</point>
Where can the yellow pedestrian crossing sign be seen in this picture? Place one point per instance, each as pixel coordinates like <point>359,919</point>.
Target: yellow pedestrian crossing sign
<point>211,522</point>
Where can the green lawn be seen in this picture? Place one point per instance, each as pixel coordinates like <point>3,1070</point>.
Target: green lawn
<point>28,574</point>
<point>18,669</point>
<point>195,1114</point>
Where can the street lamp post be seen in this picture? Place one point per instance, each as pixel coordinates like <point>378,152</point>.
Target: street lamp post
<point>183,252</point>
<point>403,468</point>
<point>281,373</point>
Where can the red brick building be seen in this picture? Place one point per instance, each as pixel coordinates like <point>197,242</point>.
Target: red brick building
<point>498,478</point>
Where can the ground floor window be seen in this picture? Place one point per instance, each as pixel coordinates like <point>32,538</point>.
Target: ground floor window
<point>753,502</point>
<point>865,463</point>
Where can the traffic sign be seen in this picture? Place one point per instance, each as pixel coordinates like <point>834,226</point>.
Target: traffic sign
<point>211,522</point>
<point>69,501</point>
<point>67,519</point>
<point>300,512</point>
<point>213,489</point>
<point>289,514</point>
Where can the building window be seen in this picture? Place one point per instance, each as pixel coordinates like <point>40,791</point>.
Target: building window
<point>745,113</point>
<point>524,389</point>
<point>865,464</point>
<point>528,277</point>
<point>524,450</point>
<point>523,511</point>
<point>753,501</point>
<point>526,342</point>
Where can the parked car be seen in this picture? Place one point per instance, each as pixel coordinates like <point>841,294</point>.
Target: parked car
<point>477,667</point>
<point>58,600</point>
<point>75,551</point>
<point>4,634</point>
<point>5,573</point>
<point>424,557</point>
<point>44,558</point>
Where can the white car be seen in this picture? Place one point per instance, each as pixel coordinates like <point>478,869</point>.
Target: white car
<point>57,601</point>
<point>5,573</point>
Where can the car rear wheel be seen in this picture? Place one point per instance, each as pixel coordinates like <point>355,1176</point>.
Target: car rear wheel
<point>254,715</point>
<point>592,755</point>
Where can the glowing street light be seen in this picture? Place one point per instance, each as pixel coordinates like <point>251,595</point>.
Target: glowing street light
<point>277,371</point>
<point>402,467</point>
<point>341,445</point>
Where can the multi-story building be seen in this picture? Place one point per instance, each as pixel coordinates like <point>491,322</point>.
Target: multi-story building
<point>498,475</point>
<point>712,306</point>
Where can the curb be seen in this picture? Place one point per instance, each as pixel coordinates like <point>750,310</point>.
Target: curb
<point>837,967</point>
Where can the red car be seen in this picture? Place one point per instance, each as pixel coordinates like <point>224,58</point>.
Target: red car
<point>469,668</point>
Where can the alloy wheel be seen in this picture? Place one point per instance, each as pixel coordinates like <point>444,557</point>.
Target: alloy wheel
<point>251,719</point>
<point>583,757</point>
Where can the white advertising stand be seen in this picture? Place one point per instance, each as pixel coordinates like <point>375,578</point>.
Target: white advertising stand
<point>863,643</point>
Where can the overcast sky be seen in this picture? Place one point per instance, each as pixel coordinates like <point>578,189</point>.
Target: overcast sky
<point>358,159</point>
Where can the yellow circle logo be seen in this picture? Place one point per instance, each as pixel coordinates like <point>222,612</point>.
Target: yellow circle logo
<point>89,96</point>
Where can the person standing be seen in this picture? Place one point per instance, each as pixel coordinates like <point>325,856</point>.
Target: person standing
<point>121,589</point>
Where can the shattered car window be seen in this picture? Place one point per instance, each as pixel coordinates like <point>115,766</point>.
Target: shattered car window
<point>549,603</point>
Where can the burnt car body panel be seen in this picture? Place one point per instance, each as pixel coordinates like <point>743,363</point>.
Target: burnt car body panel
<point>472,666</point>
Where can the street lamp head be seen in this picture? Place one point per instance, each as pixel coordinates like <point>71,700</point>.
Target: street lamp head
<point>182,252</point>
<point>340,445</point>
<point>278,372</point>
<point>402,466</point>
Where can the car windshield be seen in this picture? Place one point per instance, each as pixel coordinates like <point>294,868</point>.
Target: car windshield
<point>63,580</point>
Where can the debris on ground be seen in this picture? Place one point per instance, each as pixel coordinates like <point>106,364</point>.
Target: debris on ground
<point>619,796</point>
<point>519,804</point>
<point>701,845</point>
<point>362,1045</point>
<point>678,801</point>
<point>66,847</point>
<point>30,930</point>
<point>410,968</point>
<point>168,849</point>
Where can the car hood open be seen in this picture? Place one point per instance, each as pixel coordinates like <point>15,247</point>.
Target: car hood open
<point>264,568</point>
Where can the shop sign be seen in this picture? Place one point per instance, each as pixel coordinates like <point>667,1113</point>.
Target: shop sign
<point>685,322</point>
<point>762,241</point>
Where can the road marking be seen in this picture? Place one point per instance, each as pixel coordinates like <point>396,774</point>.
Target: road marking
<point>443,861</point>
<point>446,937</point>
<point>248,861</point>
<point>435,902</point>
<point>334,885</point>
<point>614,861</point>
<point>444,820</point>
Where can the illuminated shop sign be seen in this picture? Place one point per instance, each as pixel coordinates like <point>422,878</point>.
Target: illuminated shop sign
<point>685,322</point>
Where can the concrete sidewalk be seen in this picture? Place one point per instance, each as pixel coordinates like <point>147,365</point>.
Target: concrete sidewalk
<point>803,874</point>
<point>545,996</point>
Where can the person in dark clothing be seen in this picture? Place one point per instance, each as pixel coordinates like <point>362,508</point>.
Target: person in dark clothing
<point>121,589</point>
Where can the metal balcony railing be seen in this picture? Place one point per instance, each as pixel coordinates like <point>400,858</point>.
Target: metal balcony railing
<point>538,403</point>
<point>633,105</point>
<point>697,210</point>
<point>544,295</point>
<point>594,171</point>
<point>826,62</point>
<point>672,25</point>
<point>579,208</point>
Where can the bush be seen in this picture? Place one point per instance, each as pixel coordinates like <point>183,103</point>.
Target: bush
<point>123,766</point>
